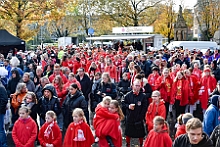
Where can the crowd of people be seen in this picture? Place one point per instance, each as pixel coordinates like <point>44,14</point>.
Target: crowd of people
<point>138,90</point>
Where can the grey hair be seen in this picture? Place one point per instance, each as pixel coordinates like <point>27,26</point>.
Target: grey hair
<point>20,87</point>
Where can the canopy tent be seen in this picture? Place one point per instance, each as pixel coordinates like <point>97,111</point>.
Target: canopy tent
<point>9,42</point>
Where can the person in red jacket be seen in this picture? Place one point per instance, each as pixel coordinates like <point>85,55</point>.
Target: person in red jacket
<point>100,123</point>
<point>56,72</point>
<point>76,65</point>
<point>156,108</point>
<point>194,88</point>
<point>50,134</point>
<point>208,84</point>
<point>159,136</point>
<point>111,69</point>
<point>180,93</point>
<point>164,85</point>
<point>181,129</point>
<point>153,77</point>
<point>71,80</point>
<point>78,133</point>
<point>24,132</point>
<point>196,71</point>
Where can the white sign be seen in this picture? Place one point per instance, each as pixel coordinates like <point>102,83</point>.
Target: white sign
<point>145,29</point>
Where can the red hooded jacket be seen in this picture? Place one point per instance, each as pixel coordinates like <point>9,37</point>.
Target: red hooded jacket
<point>112,71</point>
<point>55,136</point>
<point>185,92</point>
<point>152,80</point>
<point>24,132</point>
<point>78,135</point>
<point>164,88</point>
<point>107,124</point>
<point>181,129</point>
<point>155,110</point>
<point>208,84</point>
<point>158,139</point>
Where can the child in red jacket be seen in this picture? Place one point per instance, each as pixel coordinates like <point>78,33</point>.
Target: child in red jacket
<point>50,135</point>
<point>24,132</point>
<point>159,136</point>
<point>78,133</point>
<point>156,108</point>
<point>182,120</point>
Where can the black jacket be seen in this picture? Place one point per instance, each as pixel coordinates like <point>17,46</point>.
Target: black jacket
<point>108,89</point>
<point>183,141</point>
<point>86,85</point>
<point>3,99</point>
<point>124,86</point>
<point>215,137</point>
<point>44,104</point>
<point>12,84</point>
<point>141,105</point>
<point>146,67</point>
<point>70,103</point>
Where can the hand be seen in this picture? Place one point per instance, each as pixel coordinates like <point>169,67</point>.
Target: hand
<point>99,92</point>
<point>131,106</point>
<point>103,94</point>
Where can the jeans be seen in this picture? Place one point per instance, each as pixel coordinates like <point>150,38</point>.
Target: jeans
<point>60,121</point>
<point>3,140</point>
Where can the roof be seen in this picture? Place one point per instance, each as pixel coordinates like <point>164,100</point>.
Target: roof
<point>118,37</point>
<point>8,39</point>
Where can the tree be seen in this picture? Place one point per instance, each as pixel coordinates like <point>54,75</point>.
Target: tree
<point>22,13</point>
<point>208,17</point>
<point>127,12</point>
<point>164,24</point>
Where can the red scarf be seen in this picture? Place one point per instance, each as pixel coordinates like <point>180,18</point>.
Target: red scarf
<point>179,89</point>
<point>49,130</point>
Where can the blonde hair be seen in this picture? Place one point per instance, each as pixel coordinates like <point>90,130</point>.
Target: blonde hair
<point>52,114</point>
<point>156,92</point>
<point>108,76</point>
<point>26,109</point>
<point>193,123</point>
<point>80,113</point>
<point>120,113</point>
<point>107,99</point>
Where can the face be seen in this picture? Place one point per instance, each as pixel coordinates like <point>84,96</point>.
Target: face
<point>125,77</point>
<point>105,79</point>
<point>72,90</point>
<point>179,76</point>
<point>113,109</point>
<point>24,89</point>
<point>80,72</point>
<point>76,118</point>
<point>56,80</point>
<point>155,97</point>
<point>187,73</point>
<point>23,114</point>
<point>48,119</point>
<point>196,66</point>
<point>25,78</point>
<point>106,104</point>
<point>29,98</point>
<point>137,86</point>
<point>97,77</point>
<point>166,73</point>
<point>207,73</point>
<point>70,77</point>
<point>39,72</point>
<point>13,75</point>
<point>47,94</point>
<point>56,71</point>
<point>195,135</point>
<point>157,126</point>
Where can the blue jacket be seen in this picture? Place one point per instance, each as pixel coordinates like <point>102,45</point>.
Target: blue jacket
<point>211,116</point>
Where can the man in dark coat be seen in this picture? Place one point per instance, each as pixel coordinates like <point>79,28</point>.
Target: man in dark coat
<point>194,136</point>
<point>135,103</point>
<point>145,66</point>
<point>3,103</point>
<point>86,85</point>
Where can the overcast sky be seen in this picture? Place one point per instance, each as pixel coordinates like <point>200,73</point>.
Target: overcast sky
<point>186,4</point>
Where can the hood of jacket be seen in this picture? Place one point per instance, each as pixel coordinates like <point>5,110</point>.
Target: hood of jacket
<point>51,88</point>
<point>215,100</point>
